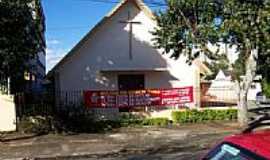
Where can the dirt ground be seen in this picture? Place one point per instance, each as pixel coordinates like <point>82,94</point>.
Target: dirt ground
<point>147,143</point>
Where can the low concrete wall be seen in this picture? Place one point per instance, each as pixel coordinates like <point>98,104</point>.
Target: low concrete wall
<point>163,112</point>
<point>7,114</point>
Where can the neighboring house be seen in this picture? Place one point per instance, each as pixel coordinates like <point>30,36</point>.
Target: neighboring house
<point>222,88</point>
<point>255,88</point>
<point>113,57</point>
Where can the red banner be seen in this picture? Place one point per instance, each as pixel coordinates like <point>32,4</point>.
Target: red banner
<point>152,97</point>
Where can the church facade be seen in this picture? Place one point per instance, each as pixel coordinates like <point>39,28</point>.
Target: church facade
<point>118,55</point>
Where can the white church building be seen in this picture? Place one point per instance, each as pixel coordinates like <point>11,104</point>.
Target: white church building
<point>118,54</point>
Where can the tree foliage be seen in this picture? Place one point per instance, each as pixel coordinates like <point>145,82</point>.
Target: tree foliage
<point>266,87</point>
<point>188,27</point>
<point>222,63</point>
<point>191,27</point>
<point>20,37</point>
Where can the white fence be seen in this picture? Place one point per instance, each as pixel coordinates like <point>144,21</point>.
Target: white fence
<point>7,114</point>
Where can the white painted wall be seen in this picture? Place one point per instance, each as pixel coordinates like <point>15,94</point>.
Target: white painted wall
<point>7,114</point>
<point>108,48</point>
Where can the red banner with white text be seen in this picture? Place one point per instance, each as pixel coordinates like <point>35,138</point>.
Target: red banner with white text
<point>151,97</point>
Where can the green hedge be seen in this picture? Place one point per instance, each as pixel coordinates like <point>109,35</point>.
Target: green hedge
<point>145,122</point>
<point>195,116</point>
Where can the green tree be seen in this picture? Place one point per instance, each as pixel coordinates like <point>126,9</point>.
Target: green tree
<point>221,63</point>
<point>20,39</point>
<point>188,27</point>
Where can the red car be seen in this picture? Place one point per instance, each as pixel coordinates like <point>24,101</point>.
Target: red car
<point>249,145</point>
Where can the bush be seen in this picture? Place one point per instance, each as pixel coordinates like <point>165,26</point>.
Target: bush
<point>35,124</point>
<point>80,123</point>
<point>128,119</point>
<point>195,116</point>
<point>266,87</point>
<point>156,122</point>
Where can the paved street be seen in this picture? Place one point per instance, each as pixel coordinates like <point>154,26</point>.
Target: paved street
<point>185,142</point>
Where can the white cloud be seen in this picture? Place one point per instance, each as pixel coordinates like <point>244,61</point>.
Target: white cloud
<point>53,42</point>
<point>49,51</point>
<point>53,56</point>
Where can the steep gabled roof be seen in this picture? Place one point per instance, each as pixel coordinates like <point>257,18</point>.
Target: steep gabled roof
<point>139,3</point>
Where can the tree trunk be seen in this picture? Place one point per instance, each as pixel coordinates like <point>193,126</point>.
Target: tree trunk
<point>242,108</point>
<point>243,88</point>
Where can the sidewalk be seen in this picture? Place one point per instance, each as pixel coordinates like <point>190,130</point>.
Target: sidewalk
<point>143,142</point>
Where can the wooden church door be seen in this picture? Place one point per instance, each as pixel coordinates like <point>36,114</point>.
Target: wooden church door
<point>131,82</point>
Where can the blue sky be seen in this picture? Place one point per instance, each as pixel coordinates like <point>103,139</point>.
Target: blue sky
<point>67,21</point>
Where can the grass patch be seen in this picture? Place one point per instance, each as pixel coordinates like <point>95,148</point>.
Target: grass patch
<point>156,122</point>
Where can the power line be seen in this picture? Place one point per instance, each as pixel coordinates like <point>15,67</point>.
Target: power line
<point>149,3</point>
<point>99,1</point>
<point>156,3</point>
<point>68,28</point>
